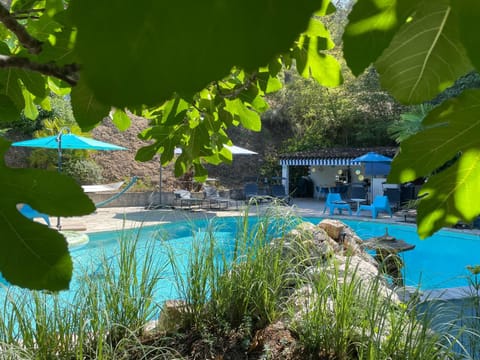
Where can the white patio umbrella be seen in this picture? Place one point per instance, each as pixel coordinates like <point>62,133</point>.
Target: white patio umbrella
<point>235,150</point>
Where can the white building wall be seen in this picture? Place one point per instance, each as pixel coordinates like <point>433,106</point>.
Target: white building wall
<point>325,176</point>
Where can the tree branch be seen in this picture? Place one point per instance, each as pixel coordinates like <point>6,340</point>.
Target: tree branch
<point>238,90</point>
<point>67,73</point>
<point>33,45</point>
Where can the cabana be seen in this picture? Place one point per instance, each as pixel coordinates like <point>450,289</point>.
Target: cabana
<point>334,167</point>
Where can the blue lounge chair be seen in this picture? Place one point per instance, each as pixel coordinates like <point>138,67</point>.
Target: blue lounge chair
<point>335,201</point>
<point>30,213</point>
<point>380,203</point>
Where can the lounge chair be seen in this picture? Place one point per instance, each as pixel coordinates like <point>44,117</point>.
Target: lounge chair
<point>30,213</point>
<point>250,191</point>
<point>380,203</point>
<point>278,192</point>
<point>335,201</point>
<point>186,200</point>
<point>213,198</point>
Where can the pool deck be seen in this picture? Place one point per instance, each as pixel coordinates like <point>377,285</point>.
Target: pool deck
<point>107,219</point>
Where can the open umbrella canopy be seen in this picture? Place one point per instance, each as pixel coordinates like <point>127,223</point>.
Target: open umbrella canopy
<point>237,150</point>
<point>375,164</point>
<point>234,149</point>
<point>372,157</point>
<point>68,141</point>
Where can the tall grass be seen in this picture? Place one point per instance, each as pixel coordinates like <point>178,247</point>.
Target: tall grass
<point>348,318</point>
<point>247,286</point>
<point>243,283</point>
<point>103,319</point>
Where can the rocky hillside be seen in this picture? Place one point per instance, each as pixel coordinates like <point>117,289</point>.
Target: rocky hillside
<point>119,165</point>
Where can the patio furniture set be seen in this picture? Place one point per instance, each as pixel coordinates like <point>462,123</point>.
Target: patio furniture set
<point>212,200</point>
<point>379,204</point>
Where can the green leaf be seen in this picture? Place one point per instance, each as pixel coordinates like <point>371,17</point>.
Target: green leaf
<point>58,87</point>
<point>450,132</point>
<point>469,13</point>
<point>86,109</point>
<point>31,110</point>
<point>121,120</point>
<point>11,87</point>
<point>248,118</point>
<point>45,261</point>
<point>146,153</point>
<point>24,5</point>
<point>448,129</point>
<point>8,110</point>
<point>450,195</point>
<point>326,9</point>
<point>316,29</point>
<point>426,55</point>
<point>180,167</point>
<point>372,24</point>
<point>173,46</point>
<point>312,63</point>
<point>34,82</point>
<point>200,172</point>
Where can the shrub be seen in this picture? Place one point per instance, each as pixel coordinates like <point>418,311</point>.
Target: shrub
<point>84,171</point>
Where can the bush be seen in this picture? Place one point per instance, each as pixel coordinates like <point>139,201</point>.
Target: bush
<point>84,171</point>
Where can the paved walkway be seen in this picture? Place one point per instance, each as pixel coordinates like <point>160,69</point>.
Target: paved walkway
<point>107,219</point>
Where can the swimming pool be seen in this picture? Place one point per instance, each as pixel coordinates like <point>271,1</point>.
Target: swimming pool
<point>436,263</point>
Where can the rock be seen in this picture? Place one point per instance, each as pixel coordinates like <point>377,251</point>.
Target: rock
<point>334,228</point>
<point>171,316</point>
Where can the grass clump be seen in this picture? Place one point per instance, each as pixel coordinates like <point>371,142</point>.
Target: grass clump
<point>104,319</point>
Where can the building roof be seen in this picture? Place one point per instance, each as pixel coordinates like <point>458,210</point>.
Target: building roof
<point>333,156</point>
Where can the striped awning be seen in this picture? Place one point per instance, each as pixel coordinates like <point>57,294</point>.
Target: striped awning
<point>319,162</point>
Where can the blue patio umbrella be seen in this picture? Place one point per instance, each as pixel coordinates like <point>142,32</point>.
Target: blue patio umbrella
<point>373,157</point>
<point>375,164</point>
<point>66,140</point>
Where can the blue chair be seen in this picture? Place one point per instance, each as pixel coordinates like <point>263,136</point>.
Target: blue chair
<point>380,203</point>
<point>278,192</point>
<point>334,201</point>
<point>250,191</point>
<point>30,213</point>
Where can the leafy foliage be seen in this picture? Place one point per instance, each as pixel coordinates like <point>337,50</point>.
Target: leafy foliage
<point>45,262</point>
<point>409,123</point>
<point>84,171</point>
<point>421,51</point>
<point>157,27</point>
<point>355,114</point>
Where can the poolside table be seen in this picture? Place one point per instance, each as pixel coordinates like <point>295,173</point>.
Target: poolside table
<point>358,202</point>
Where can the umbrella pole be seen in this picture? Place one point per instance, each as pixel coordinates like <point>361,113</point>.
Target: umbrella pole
<point>160,204</point>
<point>160,182</point>
<point>59,140</point>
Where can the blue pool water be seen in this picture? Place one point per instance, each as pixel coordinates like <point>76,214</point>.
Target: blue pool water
<point>437,262</point>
